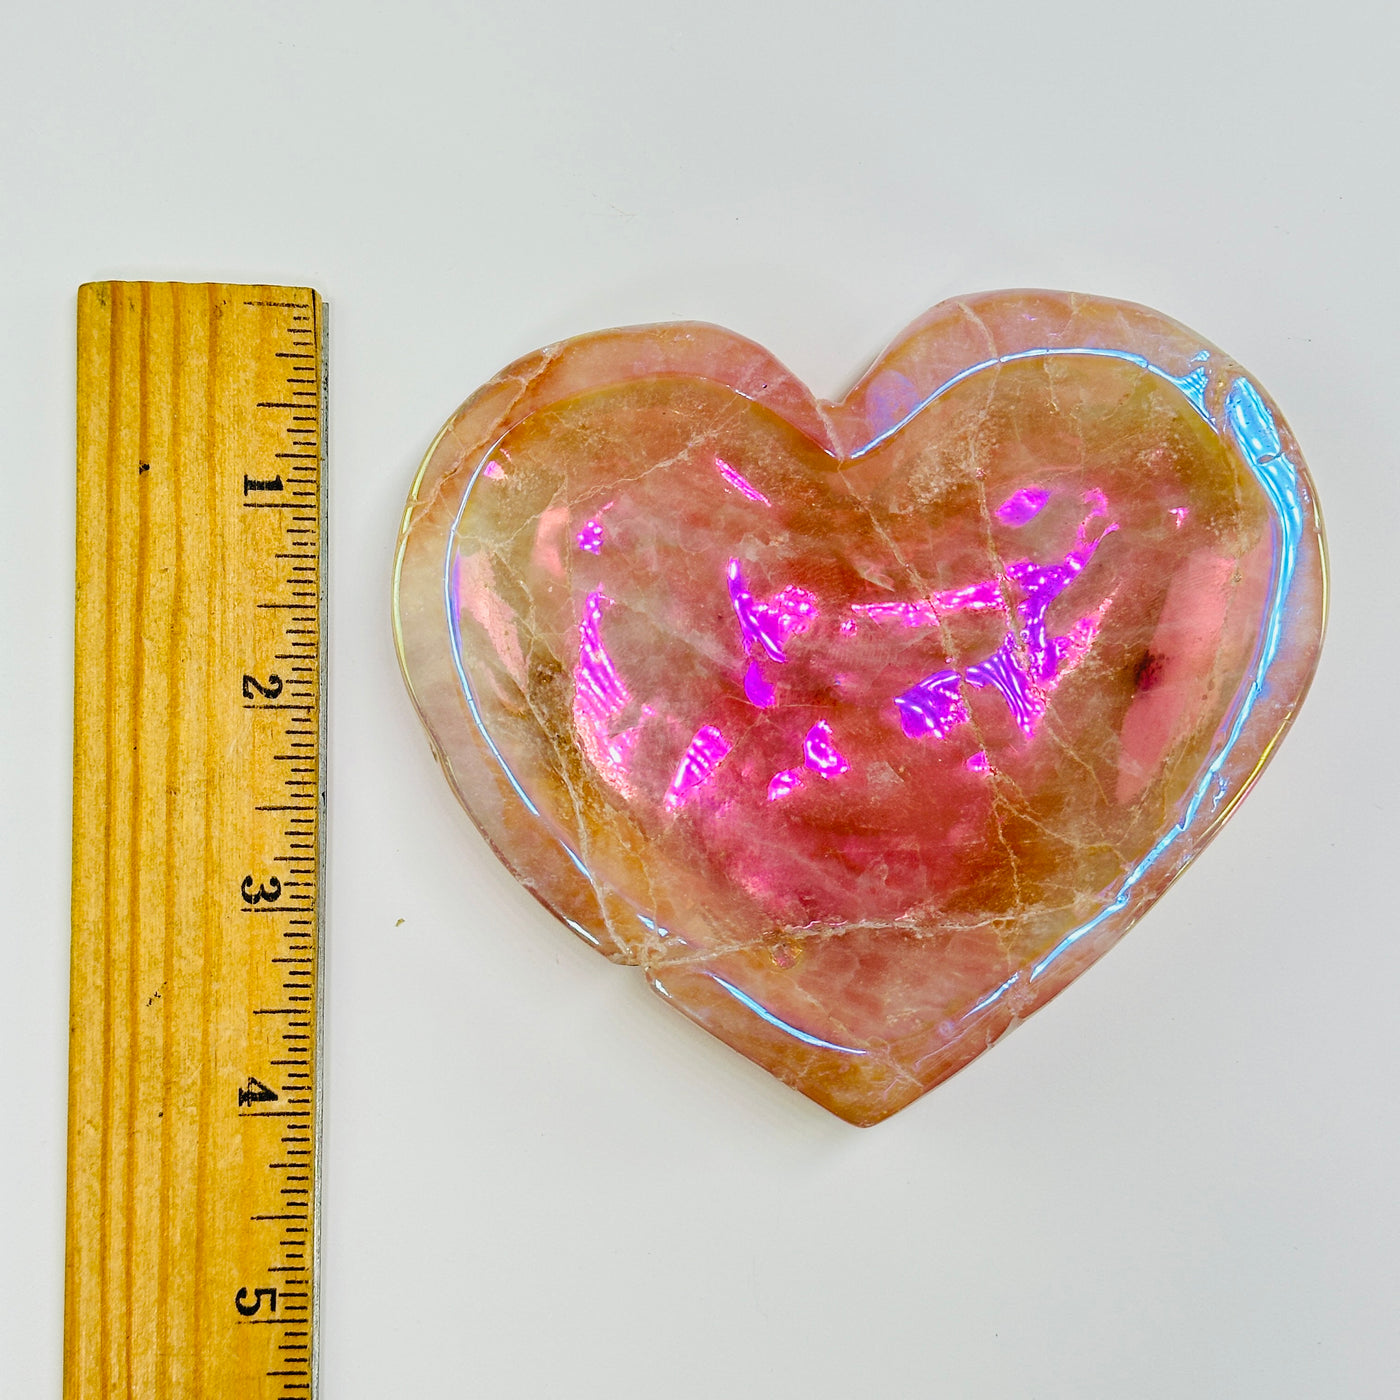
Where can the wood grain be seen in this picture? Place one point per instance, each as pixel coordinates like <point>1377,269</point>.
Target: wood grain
<point>188,579</point>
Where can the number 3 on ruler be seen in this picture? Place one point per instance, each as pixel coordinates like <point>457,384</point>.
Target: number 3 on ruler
<point>270,891</point>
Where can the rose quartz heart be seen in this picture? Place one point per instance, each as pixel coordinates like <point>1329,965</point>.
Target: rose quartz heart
<point>864,727</point>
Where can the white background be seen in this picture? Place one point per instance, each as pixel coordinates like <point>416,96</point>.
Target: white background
<point>1180,1180</point>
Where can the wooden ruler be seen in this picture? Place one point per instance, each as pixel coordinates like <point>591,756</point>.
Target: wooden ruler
<point>198,839</point>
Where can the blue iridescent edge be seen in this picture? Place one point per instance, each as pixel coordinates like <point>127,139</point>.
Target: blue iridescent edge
<point>1251,425</point>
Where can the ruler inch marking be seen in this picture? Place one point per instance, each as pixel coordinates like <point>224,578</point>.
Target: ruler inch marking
<point>177,824</point>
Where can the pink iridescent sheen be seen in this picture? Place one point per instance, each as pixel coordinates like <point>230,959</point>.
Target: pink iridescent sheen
<point>1026,665</point>
<point>768,625</point>
<point>985,596</point>
<point>600,690</point>
<point>699,761</point>
<point>600,696</point>
<point>741,484</point>
<point>784,783</point>
<point>759,690</point>
<point>590,538</point>
<point>820,754</point>
<point>932,706</point>
<point>1023,507</point>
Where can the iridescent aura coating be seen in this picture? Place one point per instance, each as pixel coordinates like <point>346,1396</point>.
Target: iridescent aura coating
<point>863,727</point>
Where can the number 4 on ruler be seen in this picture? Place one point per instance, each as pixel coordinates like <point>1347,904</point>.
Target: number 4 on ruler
<point>256,1092</point>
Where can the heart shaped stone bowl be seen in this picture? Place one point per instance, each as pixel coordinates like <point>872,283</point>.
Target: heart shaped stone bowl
<point>864,728</point>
